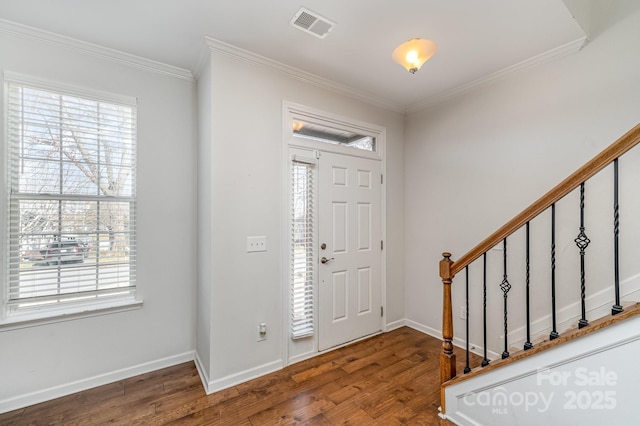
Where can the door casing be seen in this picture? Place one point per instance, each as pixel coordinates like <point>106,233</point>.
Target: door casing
<point>292,111</point>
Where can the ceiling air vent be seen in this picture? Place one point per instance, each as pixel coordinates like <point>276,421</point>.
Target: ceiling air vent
<point>312,23</point>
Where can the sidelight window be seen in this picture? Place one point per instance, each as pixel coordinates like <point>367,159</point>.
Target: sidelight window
<point>302,260</point>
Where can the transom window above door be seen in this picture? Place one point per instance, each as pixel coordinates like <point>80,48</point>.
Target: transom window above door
<point>305,129</point>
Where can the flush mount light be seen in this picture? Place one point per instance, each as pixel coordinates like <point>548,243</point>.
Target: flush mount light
<point>413,53</point>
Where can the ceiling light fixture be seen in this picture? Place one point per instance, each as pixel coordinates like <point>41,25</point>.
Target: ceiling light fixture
<point>413,53</point>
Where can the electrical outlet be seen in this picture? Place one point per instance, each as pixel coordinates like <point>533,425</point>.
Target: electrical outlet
<point>463,312</point>
<point>256,244</point>
<point>262,331</point>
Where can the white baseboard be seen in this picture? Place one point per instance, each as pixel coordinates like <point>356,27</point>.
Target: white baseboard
<point>395,325</point>
<point>302,357</point>
<point>424,328</point>
<point>240,377</point>
<point>37,397</point>
<point>252,373</point>
<point>202,372</point>
<point>461,343</point>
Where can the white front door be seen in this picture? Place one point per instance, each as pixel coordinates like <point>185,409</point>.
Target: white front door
<point>350,252</point>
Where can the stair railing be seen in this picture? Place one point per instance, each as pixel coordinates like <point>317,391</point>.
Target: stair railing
<point>449,268</point>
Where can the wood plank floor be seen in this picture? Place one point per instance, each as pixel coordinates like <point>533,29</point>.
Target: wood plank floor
<point>390,379</point>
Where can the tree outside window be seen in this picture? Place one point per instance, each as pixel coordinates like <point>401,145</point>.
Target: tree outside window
<point>72,197</point>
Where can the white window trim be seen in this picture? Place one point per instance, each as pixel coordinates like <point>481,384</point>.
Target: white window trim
<point>69,89</point>
<point>70,310</point>
<point>54,315</point>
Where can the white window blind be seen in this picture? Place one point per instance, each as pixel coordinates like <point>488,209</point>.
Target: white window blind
<point>302,248</point>
<point>72,174</point>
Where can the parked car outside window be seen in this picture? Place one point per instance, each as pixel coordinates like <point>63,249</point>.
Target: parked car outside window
<point>59,252</point>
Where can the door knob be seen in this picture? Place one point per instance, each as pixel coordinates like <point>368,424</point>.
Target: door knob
<point>325,260</point>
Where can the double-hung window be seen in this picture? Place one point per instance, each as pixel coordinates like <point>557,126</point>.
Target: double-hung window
<point>72,199</point>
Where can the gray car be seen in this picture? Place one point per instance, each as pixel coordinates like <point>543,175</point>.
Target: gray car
<point>59,252</point>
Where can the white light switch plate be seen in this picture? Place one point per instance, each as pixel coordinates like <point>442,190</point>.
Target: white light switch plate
<point>256,244</point>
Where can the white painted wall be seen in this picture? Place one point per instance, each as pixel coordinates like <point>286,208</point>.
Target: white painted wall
<point>474,162</point>
<point>47,361</point>
<point>552,119</point>
<point>246,198</point>
<point>204,302</point>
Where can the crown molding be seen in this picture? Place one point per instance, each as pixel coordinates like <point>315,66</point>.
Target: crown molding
<point>560,51</point>
<point>217,46</point>
<point>32,33</point>
<point>212,45</point>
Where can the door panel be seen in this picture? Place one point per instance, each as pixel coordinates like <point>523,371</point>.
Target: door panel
<point>364,226</point>
<point>364,290</point>
<point>339,283</point>
<point>350,293</point>
<point>340,227</point>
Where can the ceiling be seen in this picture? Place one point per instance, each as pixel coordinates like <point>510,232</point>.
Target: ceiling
<point>475,38</point>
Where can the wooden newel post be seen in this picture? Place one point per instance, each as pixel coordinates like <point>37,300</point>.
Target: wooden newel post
<point>447,358</point>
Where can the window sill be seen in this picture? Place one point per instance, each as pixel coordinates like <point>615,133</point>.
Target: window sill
<point>50,316</point>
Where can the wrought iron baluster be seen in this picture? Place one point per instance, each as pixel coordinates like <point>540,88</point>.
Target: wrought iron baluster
<point>485,360</point>
<point>527,344</point>
<point>582,241</point>
<point>467,368</point>
<point>617,308</point>
<point>554,333</point>
<point>505,287</point>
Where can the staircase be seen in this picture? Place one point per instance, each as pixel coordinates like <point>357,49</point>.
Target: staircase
<point>547,295</point>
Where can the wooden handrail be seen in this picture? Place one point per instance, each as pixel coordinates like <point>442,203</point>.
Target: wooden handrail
<point>599,162</point>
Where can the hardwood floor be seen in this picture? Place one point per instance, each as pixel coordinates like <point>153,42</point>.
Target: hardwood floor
<point>390,379</point>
